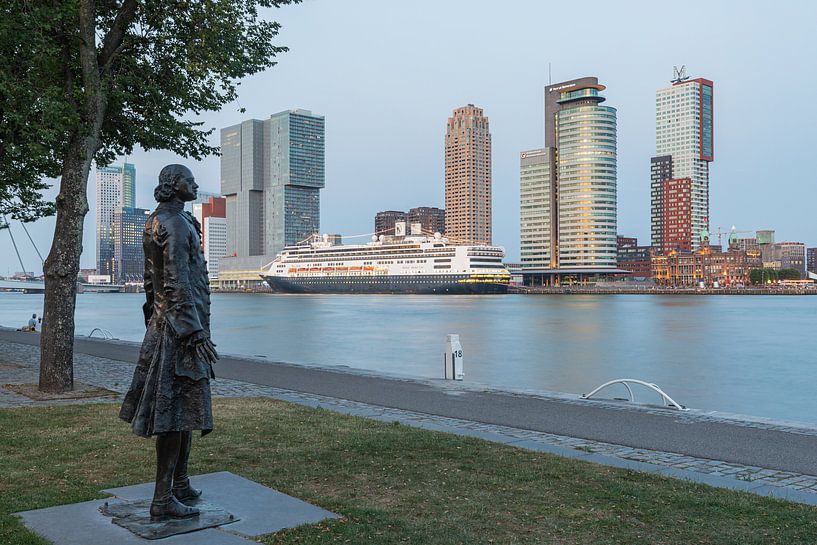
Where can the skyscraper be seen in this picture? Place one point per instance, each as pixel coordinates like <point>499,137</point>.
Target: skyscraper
<point>811,260</point>
<point>211,215</point>
<point>115,189</point>
<point>430,218</point>
<point>468,176</point>
<point>684,149</point>
<point>214,243</point>
<point>676,212</point>
<point>568,189</point>
<point>271,175</point>
<point>534,208</point>
<point>384,221</point>
<point>128,262</point>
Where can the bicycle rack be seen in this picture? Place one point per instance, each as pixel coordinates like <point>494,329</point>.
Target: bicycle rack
<point>668,401</point>
<point>103,333</point>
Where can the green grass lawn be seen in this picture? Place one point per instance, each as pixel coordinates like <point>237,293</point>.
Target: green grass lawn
<point>392,483</point>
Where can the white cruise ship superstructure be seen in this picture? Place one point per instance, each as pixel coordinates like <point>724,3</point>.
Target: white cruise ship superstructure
<point>389,264</point>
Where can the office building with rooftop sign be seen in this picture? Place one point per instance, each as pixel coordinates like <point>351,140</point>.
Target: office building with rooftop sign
<point>568,199</point>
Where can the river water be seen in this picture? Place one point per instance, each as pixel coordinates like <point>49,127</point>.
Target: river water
<point>752,355</point>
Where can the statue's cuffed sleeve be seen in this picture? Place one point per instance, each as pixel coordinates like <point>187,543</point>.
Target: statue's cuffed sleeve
<point>181,312</point>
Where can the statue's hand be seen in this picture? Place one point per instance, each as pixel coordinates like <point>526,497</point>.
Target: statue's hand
<point>204,347</point>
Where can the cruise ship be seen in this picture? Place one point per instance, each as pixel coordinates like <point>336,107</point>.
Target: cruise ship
<point>389,264</point>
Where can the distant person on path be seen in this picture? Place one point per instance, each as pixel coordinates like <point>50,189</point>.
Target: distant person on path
<point>169,396</point>
<point>32,323</point>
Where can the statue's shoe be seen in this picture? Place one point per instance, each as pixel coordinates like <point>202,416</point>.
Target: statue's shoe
<point>186,492</point>
<point>171,508</point>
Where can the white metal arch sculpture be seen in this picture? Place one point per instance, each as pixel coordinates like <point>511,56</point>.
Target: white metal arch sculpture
<point>668,401</point>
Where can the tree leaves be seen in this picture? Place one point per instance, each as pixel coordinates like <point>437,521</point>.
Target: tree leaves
<point>176,60</point>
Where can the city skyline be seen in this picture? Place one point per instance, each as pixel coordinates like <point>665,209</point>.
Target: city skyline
<point>407,99</point>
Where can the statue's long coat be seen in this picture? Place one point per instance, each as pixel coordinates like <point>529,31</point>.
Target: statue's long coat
<point>170,390</point>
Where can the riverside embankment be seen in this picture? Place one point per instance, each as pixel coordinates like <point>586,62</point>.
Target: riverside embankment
<point>759,443</point>
<point>594,290</point>
<point>746,355</point>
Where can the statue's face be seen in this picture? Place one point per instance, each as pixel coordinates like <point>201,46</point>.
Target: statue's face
<point>186,187</point>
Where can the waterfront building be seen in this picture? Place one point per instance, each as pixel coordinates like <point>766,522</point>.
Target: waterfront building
<point>214,206</point>
<point>745,243</point>
<point>468,176</point>
<point>676,212</point>
<point>534,209</point>
<point>683,151</point>
<point>811,260</point>
<point>272,172</point>
<point>679,268</point>
<point>385,221</point>
<point>128,263</point>
<point>568,189</point>
<point>430,218</point>
<point>214,242</point>
<point>115,189</point>
<point>212,217</point>
<point>201,198</point>
<point>781,255</point>
<point>636,260</point>
<point>625,242</point>
<point>242,273</point>
<point>793,256</point>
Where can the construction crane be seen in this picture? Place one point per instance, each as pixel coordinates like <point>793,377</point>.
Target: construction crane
<point>720,232</point>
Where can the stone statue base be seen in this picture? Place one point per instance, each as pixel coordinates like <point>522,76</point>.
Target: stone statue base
<point>257,511</point>
<point>135,516</point>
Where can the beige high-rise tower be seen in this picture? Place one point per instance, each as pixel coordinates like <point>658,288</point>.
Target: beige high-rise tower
<point>468,177</point>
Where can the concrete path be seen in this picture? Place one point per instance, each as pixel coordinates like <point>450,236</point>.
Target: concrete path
<point>759,456</point>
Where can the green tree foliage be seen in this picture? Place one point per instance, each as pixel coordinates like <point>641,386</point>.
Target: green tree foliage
<point>764,276</point>
<point>160,63</point>
<point>788,274</point>
<point>87,80</point>
<point>34,112</point>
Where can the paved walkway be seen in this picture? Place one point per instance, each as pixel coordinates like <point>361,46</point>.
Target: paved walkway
<point>19,364</point>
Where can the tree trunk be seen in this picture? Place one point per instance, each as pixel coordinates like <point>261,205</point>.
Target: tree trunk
<point>62,267</point>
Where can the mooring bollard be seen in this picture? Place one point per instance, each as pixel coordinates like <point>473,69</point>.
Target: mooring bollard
<point>452,360</point>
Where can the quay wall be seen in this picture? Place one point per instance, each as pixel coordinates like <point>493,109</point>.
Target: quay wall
<point>588,290</point>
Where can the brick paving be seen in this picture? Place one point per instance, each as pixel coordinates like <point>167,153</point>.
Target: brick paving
<point>115,376</point>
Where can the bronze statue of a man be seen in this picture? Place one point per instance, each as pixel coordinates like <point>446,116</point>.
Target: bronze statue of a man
<point>169,396</point>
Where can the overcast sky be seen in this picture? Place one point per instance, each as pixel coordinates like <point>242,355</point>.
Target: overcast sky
<point>387,75</point>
